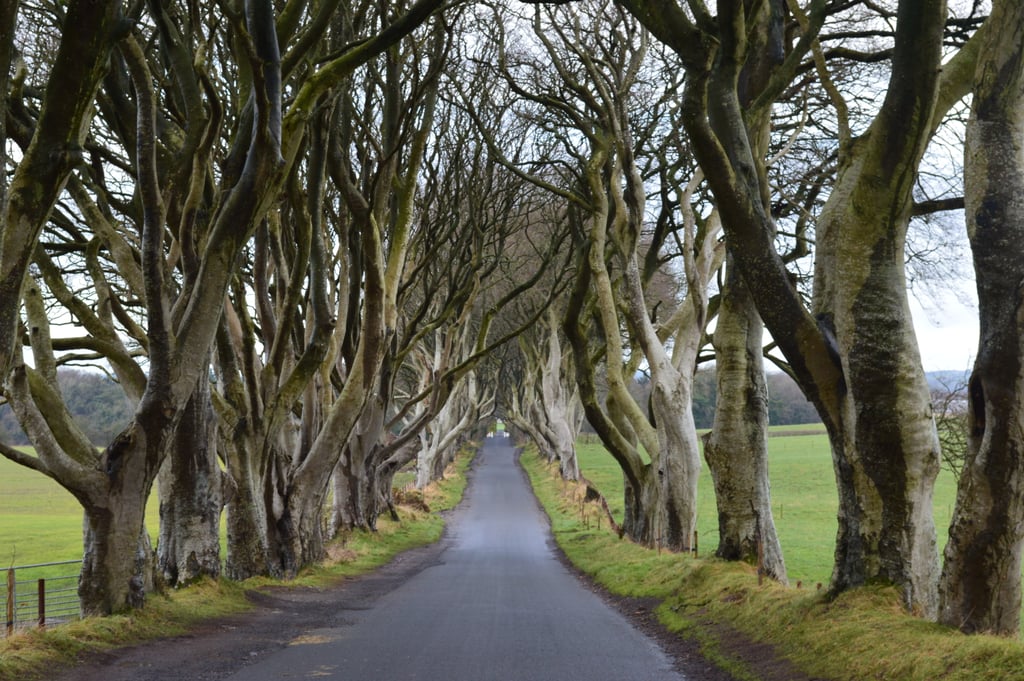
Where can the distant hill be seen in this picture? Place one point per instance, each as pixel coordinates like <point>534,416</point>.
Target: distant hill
<point>947,380</point>
<point>97,404</point>
<point>786,404</point>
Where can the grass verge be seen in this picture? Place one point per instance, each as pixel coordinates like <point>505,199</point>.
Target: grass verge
<point>31,653</point>
<point>864,634</point>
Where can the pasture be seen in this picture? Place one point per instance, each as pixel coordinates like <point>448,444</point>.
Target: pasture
<point>804,498</point>
<point>40,522</point>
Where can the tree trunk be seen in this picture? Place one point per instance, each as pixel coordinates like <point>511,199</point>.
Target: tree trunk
<point>884,443</point>
<point>980,587</point>
<point>656,514</point>
<point>248,552</point>
<point>301,529</point>
<point>352,483</point>
<point>676,461</point>
<point>190,496</point>
<point>677,465</point>
<point>559,401</point>
<point>737,447</point>
<point>117,565</point>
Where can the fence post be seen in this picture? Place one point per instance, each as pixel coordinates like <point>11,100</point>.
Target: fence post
<point>42,603</point>
<point>10,601</point>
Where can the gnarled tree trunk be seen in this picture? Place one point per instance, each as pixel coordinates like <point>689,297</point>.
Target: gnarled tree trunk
<point>855,357</point>
<point>980,589</point>
<point>189,486</point>
<point>736,449</point>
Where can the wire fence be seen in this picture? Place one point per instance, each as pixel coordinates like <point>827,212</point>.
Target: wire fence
<point>39,595</point>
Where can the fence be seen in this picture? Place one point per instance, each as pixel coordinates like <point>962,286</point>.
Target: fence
<point>41,594</point>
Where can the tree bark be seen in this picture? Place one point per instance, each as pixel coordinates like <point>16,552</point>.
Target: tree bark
<point>248,551</point>
<point>980,589</point>
<point>189,486</point>
<point>353,479</point>
<point>117,566</point>
<point>559,402</point>
<point>548,408</point>
<point>737,447</point>
<point>118,563</point>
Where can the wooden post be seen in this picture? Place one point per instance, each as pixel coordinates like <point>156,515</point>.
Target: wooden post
<point>42,603</point>
<point>695,543</point>
<point>10,601</point>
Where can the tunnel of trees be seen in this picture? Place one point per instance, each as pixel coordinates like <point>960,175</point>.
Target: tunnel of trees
<point>309,244</point>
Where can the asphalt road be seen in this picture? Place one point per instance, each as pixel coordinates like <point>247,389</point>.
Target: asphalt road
<point>497,605</point>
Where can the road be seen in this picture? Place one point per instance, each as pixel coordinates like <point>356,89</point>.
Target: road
<point>497,605</point>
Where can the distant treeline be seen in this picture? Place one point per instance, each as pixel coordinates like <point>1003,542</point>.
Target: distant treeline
<point>96,403</point>
<point>786,404</point>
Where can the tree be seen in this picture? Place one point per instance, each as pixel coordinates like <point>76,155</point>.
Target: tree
<point>736,449</point>
<point>981,583</point>
<point>544,401</point>
<point>949,400</point>
<point>853,352</point>
<point>56,142</point>
<point>208,227</point>
<point>606,119</point>
<point>509,247</point>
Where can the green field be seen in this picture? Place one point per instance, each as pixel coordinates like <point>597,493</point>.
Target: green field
<point>40,522</point>
<point>804,498</point>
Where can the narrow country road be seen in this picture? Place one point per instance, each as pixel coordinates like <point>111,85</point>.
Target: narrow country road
<point>498,605</point>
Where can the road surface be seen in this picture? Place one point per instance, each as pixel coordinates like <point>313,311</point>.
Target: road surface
<point>497,605</point>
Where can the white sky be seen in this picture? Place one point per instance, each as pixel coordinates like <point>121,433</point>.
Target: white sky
<point>947,334</point>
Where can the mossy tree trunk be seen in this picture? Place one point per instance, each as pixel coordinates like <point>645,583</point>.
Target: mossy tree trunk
<point>736,449</point>
<point>189,486</point>
<point>980,589</point>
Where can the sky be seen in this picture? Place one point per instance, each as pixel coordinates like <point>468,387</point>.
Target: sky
<point>947,333</point>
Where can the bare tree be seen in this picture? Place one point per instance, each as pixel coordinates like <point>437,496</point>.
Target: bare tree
<point>599,119</point>
<point>949,401</point>
<point>207,218</point>
<point>544,402</point>
<point>854,351</point>
<point>57,136</point>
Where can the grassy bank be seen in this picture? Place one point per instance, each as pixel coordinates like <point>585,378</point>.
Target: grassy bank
<point>29,654</point>
<point>861,635</point>
<point>804,498</point>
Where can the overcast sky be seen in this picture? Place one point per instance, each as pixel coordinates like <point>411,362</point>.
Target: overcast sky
<point>947,334</point>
